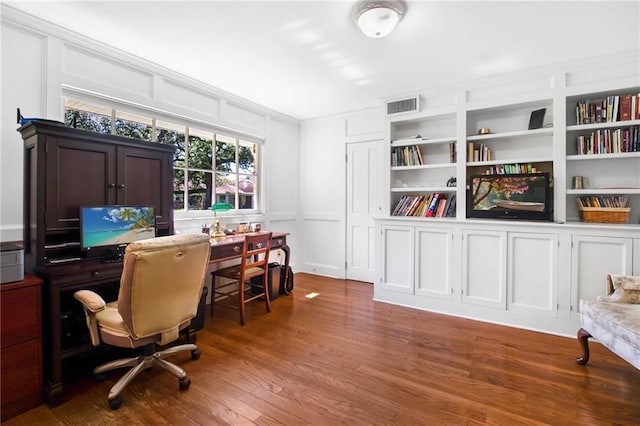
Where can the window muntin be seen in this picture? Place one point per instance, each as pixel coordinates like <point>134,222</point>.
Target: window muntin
<point>209,167</point>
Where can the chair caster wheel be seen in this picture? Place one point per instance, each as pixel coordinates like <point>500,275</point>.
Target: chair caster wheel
<point>99,377</point>
<point>184,383</point>
<point>115,403</point>
<point>195,354</point>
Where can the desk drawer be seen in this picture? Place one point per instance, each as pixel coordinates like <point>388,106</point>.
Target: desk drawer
<point>21,371</point>
<point>20,315</point>
<point>226,251</point>
<point>83,273</point>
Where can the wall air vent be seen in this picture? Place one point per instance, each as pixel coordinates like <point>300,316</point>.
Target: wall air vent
<point>402,106</point>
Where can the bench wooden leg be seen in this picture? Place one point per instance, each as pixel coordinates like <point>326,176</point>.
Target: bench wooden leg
<point>583,338</point>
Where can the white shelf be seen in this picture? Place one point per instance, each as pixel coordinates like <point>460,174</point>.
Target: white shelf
<point>425,189</point>
<point>591,157</point>
<point>422,141</point>
<point>510,161</point>
<point>425,166</point>
<point>607,125</point>
<point>603,191</point>
<point>515,134</point>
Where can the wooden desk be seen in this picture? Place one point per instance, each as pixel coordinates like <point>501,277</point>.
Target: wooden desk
<point>65,330</point>
<point>230,247</point>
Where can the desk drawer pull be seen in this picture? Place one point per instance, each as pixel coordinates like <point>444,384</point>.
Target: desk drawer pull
<point>237,249</point>
<point>279,241</point>
<point>95,274</point>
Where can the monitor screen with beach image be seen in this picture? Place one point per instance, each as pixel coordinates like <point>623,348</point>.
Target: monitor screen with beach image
<point>108,226</point>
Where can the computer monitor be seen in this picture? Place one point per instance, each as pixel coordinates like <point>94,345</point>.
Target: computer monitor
<point>115,226</point>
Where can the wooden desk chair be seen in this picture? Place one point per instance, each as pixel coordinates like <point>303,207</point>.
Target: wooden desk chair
<point>254,263</point>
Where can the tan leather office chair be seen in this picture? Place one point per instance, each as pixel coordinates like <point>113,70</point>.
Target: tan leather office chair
<point>160,289</point>
<point>254,263</point>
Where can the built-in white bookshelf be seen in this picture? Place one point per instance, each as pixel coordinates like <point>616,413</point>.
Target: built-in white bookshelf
<point>434,139</point>
<point>602,149</point>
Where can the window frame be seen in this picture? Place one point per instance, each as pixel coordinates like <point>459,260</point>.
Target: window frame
<point>121,107</point>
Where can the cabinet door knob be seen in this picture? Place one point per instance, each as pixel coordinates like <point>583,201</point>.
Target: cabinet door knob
<point>121,186</point>
<point>95,274</point>
<point>111,185</point>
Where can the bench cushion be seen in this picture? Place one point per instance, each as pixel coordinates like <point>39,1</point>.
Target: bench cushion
<point>615,325</point>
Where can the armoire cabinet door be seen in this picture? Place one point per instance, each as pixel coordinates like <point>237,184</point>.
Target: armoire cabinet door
<point>143,180</point>
<point>72,166</point>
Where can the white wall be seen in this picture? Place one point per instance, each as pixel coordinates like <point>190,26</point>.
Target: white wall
<point>323,186</point>
<point>41,62</point>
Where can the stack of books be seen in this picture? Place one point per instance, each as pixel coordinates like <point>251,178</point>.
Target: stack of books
<point>614,201</point>
<point>613,108</point>
<point>608,141</point>
<point>406,156</point>
<point>429,205</point>
<point>511,169</point>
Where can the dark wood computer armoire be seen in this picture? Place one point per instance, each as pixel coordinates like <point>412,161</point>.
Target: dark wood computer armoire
<point>65,168</point>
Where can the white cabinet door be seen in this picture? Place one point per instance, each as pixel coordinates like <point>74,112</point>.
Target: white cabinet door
<point>433,262</point>
<point>397,259</point>
<point>592,258</point>
<point>484,271</point>
<point>636,256</point>
<point>532,279</point>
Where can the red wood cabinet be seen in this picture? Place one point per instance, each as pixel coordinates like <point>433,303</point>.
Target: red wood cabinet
<point>21,340</point>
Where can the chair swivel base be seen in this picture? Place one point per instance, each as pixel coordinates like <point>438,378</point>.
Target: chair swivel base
<point>140,363</point>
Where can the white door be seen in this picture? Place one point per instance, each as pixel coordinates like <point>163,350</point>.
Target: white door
<point>365,162</point>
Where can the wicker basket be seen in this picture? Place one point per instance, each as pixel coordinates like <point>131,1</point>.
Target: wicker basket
<point>604,214</point>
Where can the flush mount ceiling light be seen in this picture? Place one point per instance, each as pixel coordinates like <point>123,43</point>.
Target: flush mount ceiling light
<point>378,18</point>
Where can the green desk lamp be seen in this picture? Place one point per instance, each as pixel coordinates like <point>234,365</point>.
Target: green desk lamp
<point>219,207</point>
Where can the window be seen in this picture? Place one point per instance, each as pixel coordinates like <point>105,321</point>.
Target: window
<point>208,167</point>
<point>133,126</point>
<point>236,179</point>
<point>88,117</point>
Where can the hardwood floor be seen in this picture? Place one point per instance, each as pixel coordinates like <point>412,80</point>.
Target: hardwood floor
<point>340,358</point>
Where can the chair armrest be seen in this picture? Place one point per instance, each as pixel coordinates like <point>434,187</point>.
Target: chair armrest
<point>92,303</point>
<point>91,300</point>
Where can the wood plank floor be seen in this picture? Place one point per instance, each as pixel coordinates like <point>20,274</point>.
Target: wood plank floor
<point>341,358</point>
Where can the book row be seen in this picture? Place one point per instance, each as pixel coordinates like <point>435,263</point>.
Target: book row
<point>406,156</point>
<point>480,152</point>
<point>611,109</point>
<point>609,141</point>
<point>511,169</point>
<point>428,205</point>
<point>613,201</point>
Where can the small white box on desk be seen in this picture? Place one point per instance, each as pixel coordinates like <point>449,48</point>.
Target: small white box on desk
<point>11,263</point>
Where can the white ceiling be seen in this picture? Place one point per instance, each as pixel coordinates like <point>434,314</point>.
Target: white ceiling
<point>306,59</point>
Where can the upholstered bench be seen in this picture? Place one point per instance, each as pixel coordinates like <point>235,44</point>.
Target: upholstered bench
<point>614,320</point>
